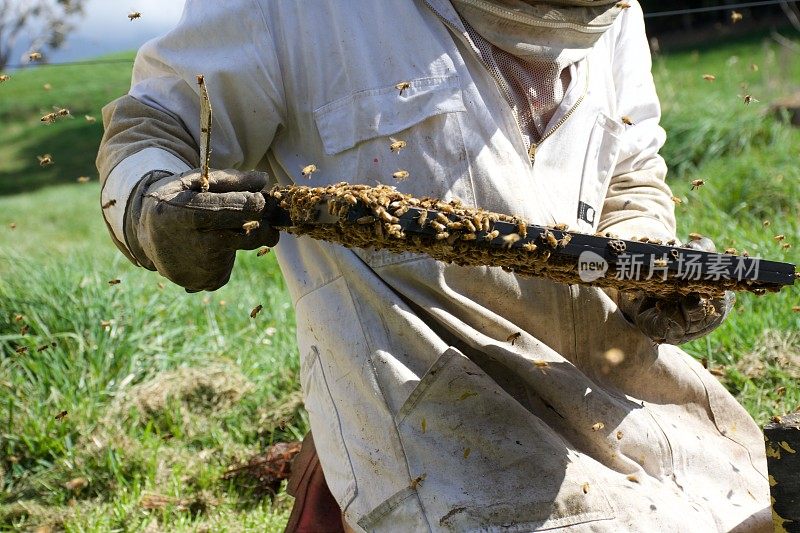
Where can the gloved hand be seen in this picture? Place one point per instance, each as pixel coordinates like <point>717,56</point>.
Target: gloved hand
<point>191,237</point>
<point>677,321</point>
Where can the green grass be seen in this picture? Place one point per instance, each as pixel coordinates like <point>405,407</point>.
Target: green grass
<point>165,390</point>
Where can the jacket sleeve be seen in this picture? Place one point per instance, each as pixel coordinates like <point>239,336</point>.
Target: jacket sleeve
<point>638,201</point>
<point>157,125</point>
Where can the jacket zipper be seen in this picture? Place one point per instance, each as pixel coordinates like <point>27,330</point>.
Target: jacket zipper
<point>500,84</point>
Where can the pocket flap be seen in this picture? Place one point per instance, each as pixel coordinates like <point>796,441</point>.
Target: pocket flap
<point>371,113</point>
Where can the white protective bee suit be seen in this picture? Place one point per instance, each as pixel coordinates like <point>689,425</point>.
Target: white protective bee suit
<point>424,415</point>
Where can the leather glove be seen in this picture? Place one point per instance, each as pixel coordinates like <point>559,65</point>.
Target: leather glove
<point>677,321</point>
<point>191,237</point>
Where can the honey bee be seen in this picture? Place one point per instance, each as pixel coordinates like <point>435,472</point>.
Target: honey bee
<point>308,170</point>
<point>400,175</point>
<point>363,221</point>
<point>83,179</point>
<point>396,145</point>
<point>627,120</point>
<point>437,226</point>
<point>257,309</point>
<point>114,282</point>
<point>45,160</point>
<point>736,17</point>
<point>709,77</point>
<point>522,227</point>
<point>402,86</point>
<point>561,227</point>
<point>696,184</point>
<point>676,200</point>
<point>513,337</point>
<point>529,247</point>
<point>109,203</point>
<point>748,99</point>
<point>61,416</point>
<point>62,111</point>
<point>90,119</point>
<point>468,237</point>
<point>510,239</point>
<point>34,56</point>
<point>550,239</point>
<point>417,481</point>
<point>622,5</point>
<point>133,15</point>
<point>442,235</point>
<point>492,235</point>
<point>250,226</point>
<point>4,77</point>
<point>598,426</point>
<point>565,240</point>
<point>779,238</point>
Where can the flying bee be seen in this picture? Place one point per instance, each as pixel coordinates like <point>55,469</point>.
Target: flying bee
<point>34,56</point>
<point>786,246</point>
<point>308,170</point>
<point>257,309</point>
<point>133,15</point>
<point>45,160</point>
<point>779,238</point>
<point>61,416</point>
<point>62,111</point>
<point>748,99</point>
<point>49,118</point>
<point>402,86</point>
<point>400,175</point>
<point>21,349</point>
<point>250,226</point>
<point>109,203</point>
<point>696,184</point>
<point>83,179</point>
<point>510,239</point>
<point>47,87</point>
<point>766,223</point>
<point>396,145</point>
<point>676,200</point>
<point>264,250</point>
<point>90,119</point>
<point>513,337</point>
<point>736,17</point>
<point>4,77</point>
<point>709,77</point>
<point>628,121</point>
<point>632,478</point>
<point>113,282</point>
<point>796,308</point>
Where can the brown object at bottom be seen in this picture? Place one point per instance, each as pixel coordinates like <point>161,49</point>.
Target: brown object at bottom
<point>315,509</point>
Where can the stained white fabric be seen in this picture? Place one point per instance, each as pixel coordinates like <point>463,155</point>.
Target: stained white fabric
<point>425,416</point>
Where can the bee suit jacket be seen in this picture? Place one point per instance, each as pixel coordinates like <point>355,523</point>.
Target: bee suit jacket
<point>426,418</point>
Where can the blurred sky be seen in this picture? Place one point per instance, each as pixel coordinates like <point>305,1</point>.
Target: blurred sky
<point>105,28</point>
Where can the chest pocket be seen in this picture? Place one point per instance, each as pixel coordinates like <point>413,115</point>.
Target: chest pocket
<point>358,130</point>
<point>601,157</point>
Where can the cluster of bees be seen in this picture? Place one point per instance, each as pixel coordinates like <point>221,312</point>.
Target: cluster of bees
<point>367,217</point>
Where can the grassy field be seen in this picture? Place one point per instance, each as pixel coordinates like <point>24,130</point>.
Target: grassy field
<point>164,391</point>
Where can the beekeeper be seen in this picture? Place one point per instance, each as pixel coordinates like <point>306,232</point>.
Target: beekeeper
<point>425,416</point>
